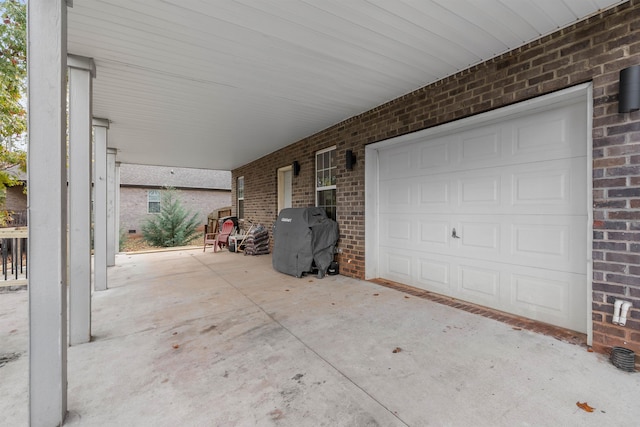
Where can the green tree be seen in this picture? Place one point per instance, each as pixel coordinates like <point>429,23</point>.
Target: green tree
<point>174,225</point>
<point>13,73</point>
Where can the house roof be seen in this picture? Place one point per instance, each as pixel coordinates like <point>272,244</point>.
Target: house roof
<point>218,84</point>
<point>162,176</point>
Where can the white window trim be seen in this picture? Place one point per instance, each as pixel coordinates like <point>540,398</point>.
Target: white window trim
<point>315,175</point>
<point>154,201</point>
<point>238,198</point>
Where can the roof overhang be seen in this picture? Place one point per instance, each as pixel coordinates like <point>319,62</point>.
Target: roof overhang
<point>218,84</point>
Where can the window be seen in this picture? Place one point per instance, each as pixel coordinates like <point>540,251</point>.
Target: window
<point>240,191</point>
<point>326,181</point>
<point>153,201</point>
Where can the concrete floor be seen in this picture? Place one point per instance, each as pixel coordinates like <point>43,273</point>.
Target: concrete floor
<point>201,339</point>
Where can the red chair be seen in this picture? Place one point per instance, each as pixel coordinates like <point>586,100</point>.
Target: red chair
<point>219,238</point>
<point>222,239</point>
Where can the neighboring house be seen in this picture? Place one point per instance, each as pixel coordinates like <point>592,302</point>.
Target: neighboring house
<point>513,184</point>
<point>200,190</point>
<point>16,198</point>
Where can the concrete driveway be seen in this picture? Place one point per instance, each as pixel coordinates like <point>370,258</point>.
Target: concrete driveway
<point>186,338</point>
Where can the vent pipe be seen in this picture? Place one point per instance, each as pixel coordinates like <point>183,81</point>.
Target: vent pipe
<point>616,311</point>
<point>623,313</point>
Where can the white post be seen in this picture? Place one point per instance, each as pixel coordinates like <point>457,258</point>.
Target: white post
<point>47,200</point>
<point>112,234</point>
<point>100,127</point>
<point>117,243</point>
<point>81,73</point>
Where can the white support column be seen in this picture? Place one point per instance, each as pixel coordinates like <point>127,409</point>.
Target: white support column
<point>100,127</point>
<point>47,200</point>
<point>81,73</point>
<point>112,235</point>
<point>117,244</point>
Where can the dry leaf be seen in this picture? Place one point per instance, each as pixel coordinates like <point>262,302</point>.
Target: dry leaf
<point>517,329</point>
<point>375,295</point>
<point>397,350</point>
<point>590,349</point>
<point>406,297</point>
<point>585,406</point>
<point>176,346</point>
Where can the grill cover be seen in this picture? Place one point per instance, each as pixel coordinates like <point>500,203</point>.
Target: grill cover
<point>302,236</point>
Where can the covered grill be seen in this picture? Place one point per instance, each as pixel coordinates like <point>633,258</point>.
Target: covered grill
<point>302,237</point>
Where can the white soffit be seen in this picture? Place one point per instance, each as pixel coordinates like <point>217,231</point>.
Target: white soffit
<point>217,84</point>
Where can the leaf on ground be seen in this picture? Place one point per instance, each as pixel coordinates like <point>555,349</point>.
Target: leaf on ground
<point>406,297</point>
<point>585,406</point>
<point>590,349</point>
<point>397,350</point>
<point>517,329</point>
<point>375,295</point>
<point>176,346</point>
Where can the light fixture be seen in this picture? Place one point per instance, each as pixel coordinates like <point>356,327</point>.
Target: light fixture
<point>350,160</point>
<point>629,89</point>
<point>296,168</point>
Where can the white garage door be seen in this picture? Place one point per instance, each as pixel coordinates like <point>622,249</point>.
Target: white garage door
<point>495,215</point>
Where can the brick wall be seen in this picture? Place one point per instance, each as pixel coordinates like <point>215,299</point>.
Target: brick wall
<point>133,205</point>
<point>594,50</point>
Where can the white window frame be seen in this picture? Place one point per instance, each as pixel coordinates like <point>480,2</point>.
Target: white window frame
<point>240,197</point>
<point>332,173</point>
<point>149,201</point>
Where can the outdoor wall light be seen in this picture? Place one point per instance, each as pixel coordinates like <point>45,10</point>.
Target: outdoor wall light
<point>350,160</point>
<point>296,168</point>
<point>629,89</point>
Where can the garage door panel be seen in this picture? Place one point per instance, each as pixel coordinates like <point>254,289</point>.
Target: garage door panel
<point>434,274</point>
<point>538,294</point>
<point>480,145</point>
<point>396,231</point>
<point>555,187</point>
<point>515,192</point>
<point>479,284</point>
<point>396,163</point>
<point>399,265</point>
<point>435,156</point>
<point>480,236</point>
<point>547,186</point>
<point>550,297</point>
<point>479,191</point>
<point>550,134</point>
<point>549,189</point>
<point>434,194</point>
<point>541,241</point>
<point>539,136</point>
<point>549,242</point>
<point>434,232</point>
<point>397,194</point>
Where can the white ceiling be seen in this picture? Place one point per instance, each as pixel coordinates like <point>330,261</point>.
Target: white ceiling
<point>219,83</point>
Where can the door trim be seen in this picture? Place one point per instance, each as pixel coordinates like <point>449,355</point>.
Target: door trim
<point>281,184</point>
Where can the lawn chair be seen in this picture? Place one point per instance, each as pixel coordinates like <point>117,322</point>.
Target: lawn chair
<point>220,239</point>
